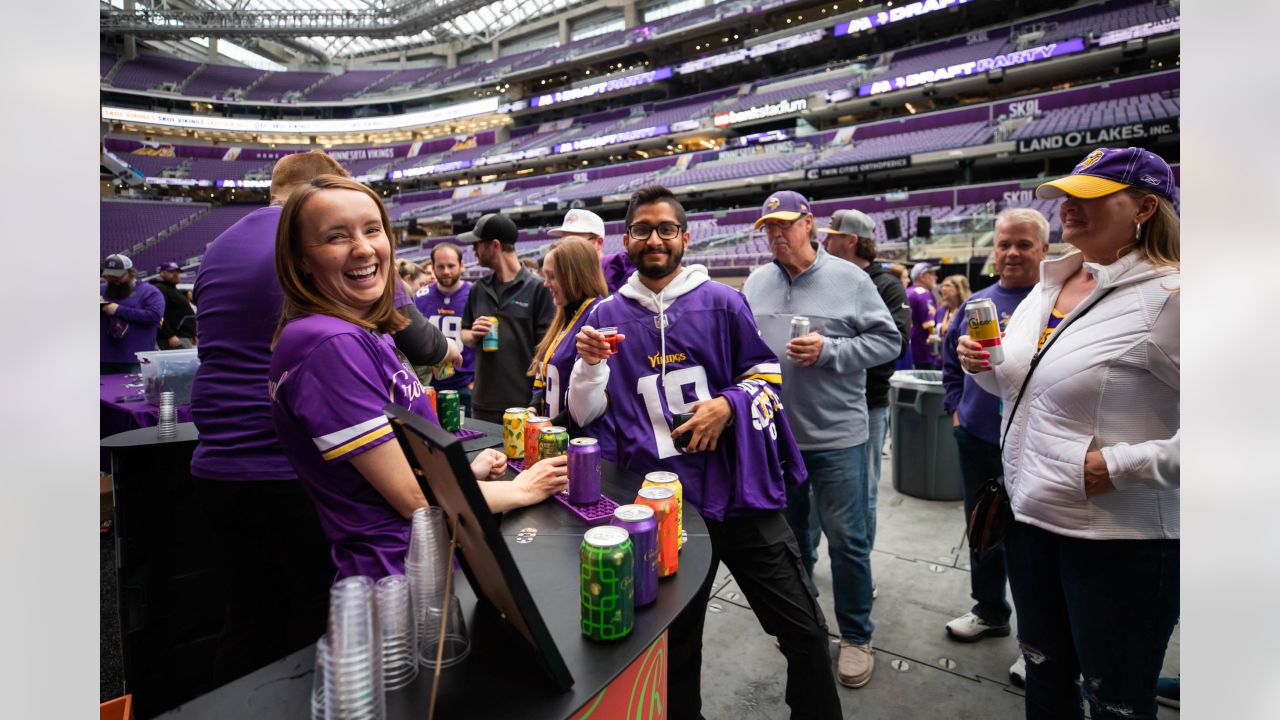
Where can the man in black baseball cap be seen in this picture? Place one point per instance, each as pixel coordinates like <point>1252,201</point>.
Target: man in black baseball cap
<point>178,328</point>
<point>523,307</point>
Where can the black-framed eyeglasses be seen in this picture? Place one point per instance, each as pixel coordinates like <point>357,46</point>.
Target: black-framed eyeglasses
<point>666,231</point>
<point>783,225</point>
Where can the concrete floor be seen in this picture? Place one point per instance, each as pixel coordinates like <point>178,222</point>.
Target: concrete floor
<point>920,563</point>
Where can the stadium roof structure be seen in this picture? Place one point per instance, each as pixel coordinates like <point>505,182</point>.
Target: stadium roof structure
<point>329,29</point>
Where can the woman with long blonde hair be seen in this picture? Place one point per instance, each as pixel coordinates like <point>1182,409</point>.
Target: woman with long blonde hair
<point>954,291</point>
<point>1091,441</point>
<point>571,271</point>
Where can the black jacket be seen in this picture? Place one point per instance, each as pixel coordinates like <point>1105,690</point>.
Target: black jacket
<point>895,298</point>
<point>179,319</point>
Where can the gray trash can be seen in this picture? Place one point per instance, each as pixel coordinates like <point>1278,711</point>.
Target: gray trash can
<point>926,463</point>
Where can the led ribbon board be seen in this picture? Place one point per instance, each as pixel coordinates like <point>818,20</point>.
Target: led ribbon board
<point>604,86</point>
<point>304,127</point>
<point>894,14</point>
<point>973,67</point>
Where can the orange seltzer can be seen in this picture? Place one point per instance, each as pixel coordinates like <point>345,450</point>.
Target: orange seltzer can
<point>532,426</point>
<point>665,509</point>
<point>669,480</point>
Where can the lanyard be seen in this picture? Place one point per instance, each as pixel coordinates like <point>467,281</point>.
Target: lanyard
<point>555,344</point>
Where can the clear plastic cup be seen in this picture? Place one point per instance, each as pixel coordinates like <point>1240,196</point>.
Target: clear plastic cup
<point>399,632</point>
<point>353,681</point>
<point>427,563</point>
<point>317,683</point>
<point>457,643</point>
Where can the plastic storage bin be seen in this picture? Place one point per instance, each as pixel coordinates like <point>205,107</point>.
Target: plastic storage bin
<point>168,370</point>
<point>926,463</point>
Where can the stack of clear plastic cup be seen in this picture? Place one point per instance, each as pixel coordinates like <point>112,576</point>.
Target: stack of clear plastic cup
<point>427,564</point>
<point>168,426</point>
<point>457,644</point>
<point>399,632</point>
<point>318,681</point>
<point>353,687</point>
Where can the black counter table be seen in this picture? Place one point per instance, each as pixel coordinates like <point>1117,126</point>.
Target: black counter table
<point>499,678</point>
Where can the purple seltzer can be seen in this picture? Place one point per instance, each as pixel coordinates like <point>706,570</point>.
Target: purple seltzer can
<point>642,524</point>
<point>584,471</point>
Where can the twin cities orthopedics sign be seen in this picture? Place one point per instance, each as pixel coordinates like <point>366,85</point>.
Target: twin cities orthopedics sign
<point>605,86</point>
<point>868,166</point>
<point>894,14</point>
<point>973,67</point>
<point>1134,32</point>
<point>1099,136</point>
<point>782,107</point>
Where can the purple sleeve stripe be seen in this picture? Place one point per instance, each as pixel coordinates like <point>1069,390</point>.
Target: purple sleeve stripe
<point>358,442</point>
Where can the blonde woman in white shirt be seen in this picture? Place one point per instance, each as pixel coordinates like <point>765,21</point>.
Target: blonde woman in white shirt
<point>1091,442</point>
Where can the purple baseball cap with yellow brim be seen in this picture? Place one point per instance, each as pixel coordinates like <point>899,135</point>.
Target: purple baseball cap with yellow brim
<point>784,205</point>
<point>1108,170</point>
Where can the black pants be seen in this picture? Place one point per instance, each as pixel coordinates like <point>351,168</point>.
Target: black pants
<point>274,565</point>
<point>979,462</point>
<point>110,368</point>
<point>763,556</point>
<point>1101,609</point>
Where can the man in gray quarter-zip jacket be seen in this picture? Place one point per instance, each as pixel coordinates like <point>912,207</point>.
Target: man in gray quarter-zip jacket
<point>824,391</point>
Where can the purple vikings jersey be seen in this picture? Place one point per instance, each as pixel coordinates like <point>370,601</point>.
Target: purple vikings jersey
<point>553,377</point>
<point>329,381</point>
<point>445,312</point>
<point>922,311</point>
<point>712,344</point>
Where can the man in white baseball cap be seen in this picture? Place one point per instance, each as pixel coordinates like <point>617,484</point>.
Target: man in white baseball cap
<point>589,226</point>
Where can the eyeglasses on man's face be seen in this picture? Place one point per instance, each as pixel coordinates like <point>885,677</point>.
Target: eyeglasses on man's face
<point>666,231</point>
<point>782,225</point>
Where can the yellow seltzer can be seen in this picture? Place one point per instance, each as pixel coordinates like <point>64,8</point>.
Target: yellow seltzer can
<point>513,432</point>
<point>672,481</point>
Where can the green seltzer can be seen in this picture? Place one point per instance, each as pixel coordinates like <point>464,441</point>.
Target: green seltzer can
<point>450,414</point>
<point>552,442</point>
<point>606,567</point>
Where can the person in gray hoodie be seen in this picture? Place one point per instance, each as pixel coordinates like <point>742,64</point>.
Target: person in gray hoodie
<point>825,393</point>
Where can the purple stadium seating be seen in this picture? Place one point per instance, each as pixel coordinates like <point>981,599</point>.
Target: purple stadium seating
<point>215,80</point>
<point>147,71</point>
<point>1137,109</point>
<point>191,240</point>
<point>277,84</point>
<point>348,84</point>
<point>107,60</point>
<point>126,223</point>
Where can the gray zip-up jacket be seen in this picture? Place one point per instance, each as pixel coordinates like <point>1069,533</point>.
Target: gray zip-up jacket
<point>826,403</point>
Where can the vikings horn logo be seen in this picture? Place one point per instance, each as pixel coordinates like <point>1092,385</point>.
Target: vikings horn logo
<point>1090,159</point>
<point>772,203</point>
<point>571,218</point>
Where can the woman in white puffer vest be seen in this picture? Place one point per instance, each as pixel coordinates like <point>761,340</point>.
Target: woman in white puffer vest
<point>1091,442</point>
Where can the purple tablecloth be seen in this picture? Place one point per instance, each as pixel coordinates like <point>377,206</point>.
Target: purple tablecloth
<point>116,416</point>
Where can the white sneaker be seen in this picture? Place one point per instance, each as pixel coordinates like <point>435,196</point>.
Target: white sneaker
<point>971,628</point>
<point>1018,672</point>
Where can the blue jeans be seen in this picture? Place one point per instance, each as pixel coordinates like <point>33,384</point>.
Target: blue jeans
<point>979,462</point>
<point>838,487</point>
<point>877,429</point>
<point>1103,609</point>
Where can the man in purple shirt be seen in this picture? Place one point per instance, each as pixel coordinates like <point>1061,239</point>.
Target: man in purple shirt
<point>691,345</point>
<point>273,556</point>
<point>1021,243</point>
<point>442,302</point>
<point>923,309</point>
<point>129,316</point>
<point>590,227</point>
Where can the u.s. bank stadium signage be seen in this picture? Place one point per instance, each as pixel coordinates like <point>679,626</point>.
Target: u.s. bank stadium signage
<point>782,107</point>
<point>868,166</point>
<point>1099,136</point>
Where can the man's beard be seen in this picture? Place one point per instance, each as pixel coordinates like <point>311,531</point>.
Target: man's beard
<point>119,291</point>
<point>657,273</point>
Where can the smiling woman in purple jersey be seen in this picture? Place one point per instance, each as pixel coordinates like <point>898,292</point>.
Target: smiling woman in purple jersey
<point>333,369</point>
